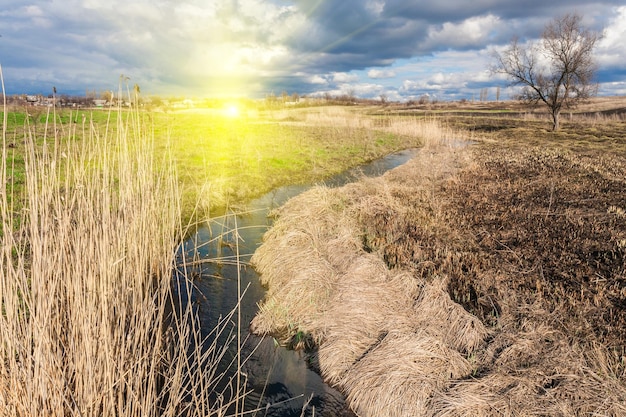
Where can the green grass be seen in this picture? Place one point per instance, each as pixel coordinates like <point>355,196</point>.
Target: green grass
<point>39,125</point>
<point>222,161</point>
<point>242,158</point>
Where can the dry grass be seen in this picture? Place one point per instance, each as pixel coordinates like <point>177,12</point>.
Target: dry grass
<point>90,325</point>
<point>286,309</point>
<point>433,132</point>
<point>399,375</point>
<point>337,117</point>
<point>324,283</point>
<point>361,296</point>
<point>484,281</point>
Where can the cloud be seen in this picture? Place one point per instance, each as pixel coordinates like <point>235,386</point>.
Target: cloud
<point>318,79</point>
<point>364,90</point>
<point>437,82</point>
<point>459,10</point>
<point>367,89</point>
<point>378,74</point>
<point>474,32</point>
<point>612,48</point>
<point>344,78</point>
<point>183,43</point>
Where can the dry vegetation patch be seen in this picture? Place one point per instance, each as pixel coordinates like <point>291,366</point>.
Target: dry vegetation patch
<point>548,222</point>
<point>485,281</point>
<point>91,317</point>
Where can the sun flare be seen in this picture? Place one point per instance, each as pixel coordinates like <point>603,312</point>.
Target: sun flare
<point>231,110</point>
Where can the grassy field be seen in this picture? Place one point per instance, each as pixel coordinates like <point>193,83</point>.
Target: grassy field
<point>227,160</point>
<point>224,159</point>
<point>509,254</point>
<point>492,277</point>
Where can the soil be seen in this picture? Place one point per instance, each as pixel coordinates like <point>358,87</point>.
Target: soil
<point>551,222</point>
<point>548,221</point>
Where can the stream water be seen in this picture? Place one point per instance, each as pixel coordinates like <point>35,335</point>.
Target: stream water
<point>280,379</point>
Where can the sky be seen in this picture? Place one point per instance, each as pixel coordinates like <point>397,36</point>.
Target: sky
<point>399,49</point>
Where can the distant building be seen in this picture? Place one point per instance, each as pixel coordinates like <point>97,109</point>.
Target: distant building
<point>32,99</point>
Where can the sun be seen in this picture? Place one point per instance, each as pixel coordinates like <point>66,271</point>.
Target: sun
<point>231,110</point>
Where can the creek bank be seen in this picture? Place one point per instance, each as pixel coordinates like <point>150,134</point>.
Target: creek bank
<point>279,379</point>
<point>414,309</point>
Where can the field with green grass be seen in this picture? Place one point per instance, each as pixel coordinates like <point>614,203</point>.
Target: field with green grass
<point>222,159</point>
<point>226,160</point>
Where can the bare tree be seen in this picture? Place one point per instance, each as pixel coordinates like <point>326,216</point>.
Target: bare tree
<point>558,71</point>
<point>484,94</point>
<point>351,95</point>
<point>106,95</point>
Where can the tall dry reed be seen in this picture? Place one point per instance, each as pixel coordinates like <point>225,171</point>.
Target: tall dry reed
<point>433,132</point>
<point>90,324</point>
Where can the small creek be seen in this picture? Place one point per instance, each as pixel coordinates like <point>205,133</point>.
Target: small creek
<point>280,378</point>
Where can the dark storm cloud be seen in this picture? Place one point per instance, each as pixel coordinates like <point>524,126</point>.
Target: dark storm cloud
<point>399,29</point>
<point>44,47</point>
<point>438,12</point>
<point>357,35</point>
<point>356,27</point>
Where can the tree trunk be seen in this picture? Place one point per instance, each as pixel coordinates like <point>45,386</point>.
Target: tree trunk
<point>555,120</point>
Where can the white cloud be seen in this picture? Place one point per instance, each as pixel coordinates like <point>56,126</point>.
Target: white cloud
<point>344,77</point>
<point>361,90</point>
<point>375,6</point>
<point>33,11</point>
<point>471,32</point>
<point>443,82</point>
<point>367,89</point>
<point>614,88</point>
<point>318,79</point>
<point>611,49</point>
<point>378,74</point>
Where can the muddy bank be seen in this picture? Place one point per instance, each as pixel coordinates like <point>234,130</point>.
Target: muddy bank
<point>466,282</point>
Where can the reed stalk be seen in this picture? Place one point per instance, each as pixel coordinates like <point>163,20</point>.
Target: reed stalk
<point>90,323</point>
